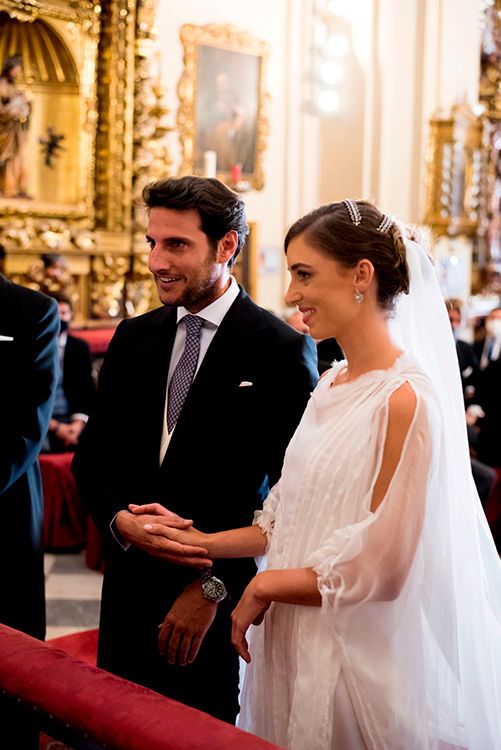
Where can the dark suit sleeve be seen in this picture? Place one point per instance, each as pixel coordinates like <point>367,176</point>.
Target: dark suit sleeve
<point>94,464</point>
<point>24,425</point>
<point>78,383</point>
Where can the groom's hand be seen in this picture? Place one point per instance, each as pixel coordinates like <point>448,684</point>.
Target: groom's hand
<point>185,626</point>
<point>131,528</point>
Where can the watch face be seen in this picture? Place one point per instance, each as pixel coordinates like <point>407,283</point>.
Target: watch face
<point>214,589</point>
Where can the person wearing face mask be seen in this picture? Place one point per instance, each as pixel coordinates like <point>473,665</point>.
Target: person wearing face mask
<point>468,362</point>
<point>484,477</point>
<point>75,388</point>
<point>489,349</point>
<point>487,395</point>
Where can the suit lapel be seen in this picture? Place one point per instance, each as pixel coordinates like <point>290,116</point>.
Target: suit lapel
<point>232,343</point>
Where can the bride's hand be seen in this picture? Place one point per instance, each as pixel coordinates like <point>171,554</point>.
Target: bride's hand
<point>166,516</point>
<point>250,610</point>
<point>182,535</point>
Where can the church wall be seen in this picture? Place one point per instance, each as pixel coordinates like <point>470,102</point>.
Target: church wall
<point>411,59</point>
<point>405,61</point>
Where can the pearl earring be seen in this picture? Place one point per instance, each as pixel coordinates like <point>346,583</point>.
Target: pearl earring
<point>358,296</point>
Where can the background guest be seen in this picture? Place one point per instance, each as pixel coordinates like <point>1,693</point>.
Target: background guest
<point>488,349</point>
<point>328,350</point>
<point>483,475</point>
<point>468,361</point>
<point>75,387</point>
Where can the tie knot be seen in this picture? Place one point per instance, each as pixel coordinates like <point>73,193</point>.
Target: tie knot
<point>193,324</point>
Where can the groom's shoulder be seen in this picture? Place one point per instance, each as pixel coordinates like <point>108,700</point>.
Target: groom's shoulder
<point>262,318</point>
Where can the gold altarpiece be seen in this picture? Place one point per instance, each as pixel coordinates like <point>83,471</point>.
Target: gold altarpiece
<point>463,183</point>
<point>90,70</point>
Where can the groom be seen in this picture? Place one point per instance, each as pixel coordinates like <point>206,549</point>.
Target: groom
<point>197,402</point>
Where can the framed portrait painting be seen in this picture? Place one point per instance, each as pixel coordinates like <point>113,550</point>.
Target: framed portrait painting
<point>222,118</point>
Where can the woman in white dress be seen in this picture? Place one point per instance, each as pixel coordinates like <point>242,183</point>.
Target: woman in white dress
<point>375,619</point>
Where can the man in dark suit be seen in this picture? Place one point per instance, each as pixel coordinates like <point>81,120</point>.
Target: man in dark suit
<point>29,325</point>
<point>75,388</point>
<point>328,350</point>
<point>488,347</point>
<point>467,358</point>
<point>210,455</point>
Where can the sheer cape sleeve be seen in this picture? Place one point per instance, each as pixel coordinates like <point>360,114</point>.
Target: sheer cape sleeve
<point>265,518</point>
<point>370,560</point>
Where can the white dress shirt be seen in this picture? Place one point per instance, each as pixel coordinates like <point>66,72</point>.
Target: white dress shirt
<point>213,315</point>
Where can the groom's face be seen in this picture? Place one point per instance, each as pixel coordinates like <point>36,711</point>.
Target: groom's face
<point>183,263</point>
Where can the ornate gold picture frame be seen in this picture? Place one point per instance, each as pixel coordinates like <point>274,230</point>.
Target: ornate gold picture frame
<point>56,45</point>
<point>223,104</point>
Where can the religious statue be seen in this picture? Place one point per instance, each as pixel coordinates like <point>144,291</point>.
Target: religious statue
<point>15,109</point>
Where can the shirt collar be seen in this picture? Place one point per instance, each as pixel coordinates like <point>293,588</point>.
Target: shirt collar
<point>215,312</point>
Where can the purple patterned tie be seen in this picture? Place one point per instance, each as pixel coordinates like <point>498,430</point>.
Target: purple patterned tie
<point>185,370</point>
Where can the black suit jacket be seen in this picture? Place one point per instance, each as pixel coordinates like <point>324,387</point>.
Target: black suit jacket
<point>469,368</point>
<point>488,395</point>
<point>224,454</point>
<point>28,372</point>
<point>77,383</point>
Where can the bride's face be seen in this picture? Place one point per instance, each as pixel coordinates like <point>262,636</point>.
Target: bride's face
<point>321,288</point>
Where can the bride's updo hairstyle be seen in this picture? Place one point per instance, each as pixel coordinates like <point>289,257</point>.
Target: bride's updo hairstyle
<point>350,231</point>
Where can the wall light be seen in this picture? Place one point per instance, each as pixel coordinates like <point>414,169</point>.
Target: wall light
<point>328,47</point>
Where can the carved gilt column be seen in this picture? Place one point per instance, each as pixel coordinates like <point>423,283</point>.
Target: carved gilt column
<point>116,114</point>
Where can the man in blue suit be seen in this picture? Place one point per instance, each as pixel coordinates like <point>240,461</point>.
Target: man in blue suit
<point>196,404</point>
<point>29,325</point>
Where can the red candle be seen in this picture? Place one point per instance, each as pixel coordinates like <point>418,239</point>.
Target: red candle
<point>236,172</point>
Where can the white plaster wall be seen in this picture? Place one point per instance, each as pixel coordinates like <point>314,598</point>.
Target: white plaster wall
<point>428,58</point>
<point>399,37</point>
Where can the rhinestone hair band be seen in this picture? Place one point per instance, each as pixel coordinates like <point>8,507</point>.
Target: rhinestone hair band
<point>385,224</point>
<point>353,210</point>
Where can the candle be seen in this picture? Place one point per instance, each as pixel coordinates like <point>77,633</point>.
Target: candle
<point>210,163</point>
<point>236,172</point>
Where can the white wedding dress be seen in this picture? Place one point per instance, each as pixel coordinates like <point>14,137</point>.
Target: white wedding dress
<point>405,651</point>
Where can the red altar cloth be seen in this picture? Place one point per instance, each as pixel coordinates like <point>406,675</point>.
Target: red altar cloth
<point>65,517</point>
<point>71,699</point>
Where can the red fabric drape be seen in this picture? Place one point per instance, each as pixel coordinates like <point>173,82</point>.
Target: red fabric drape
<point>65,518</point>
<point>106,708</point>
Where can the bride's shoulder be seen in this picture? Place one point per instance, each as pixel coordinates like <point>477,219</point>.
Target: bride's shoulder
<point>402,402</point>
<point>333,371</point>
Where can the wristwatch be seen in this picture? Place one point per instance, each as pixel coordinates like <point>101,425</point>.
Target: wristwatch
<point>213,588</point>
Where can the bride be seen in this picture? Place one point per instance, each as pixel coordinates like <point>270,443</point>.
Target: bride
<point>375,619</point>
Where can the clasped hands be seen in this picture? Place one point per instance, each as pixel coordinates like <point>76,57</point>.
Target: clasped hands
<point>68,433</point>
<point>167,535</point>
<point>163,534</point>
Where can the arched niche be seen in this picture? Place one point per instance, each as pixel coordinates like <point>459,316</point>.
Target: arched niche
<point>50,78</point>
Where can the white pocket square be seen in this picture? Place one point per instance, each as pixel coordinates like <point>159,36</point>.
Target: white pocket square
<point>6,338</point>
<point>245,384</point>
